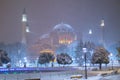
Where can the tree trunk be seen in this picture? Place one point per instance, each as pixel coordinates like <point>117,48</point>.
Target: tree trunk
<point>106,65</point>
<point>52,64</point>
<point>119,61</point>
<point>1,63</point>
<point>100,66</point>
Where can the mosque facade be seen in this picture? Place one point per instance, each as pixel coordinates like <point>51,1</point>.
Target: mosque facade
<point>62,35</point>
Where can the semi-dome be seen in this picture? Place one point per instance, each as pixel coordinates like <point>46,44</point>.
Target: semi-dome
<point>63,28</point>
<point>44,36</point>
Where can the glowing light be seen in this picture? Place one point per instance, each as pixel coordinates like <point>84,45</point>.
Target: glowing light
<point>24,18</point>
<point>102,23</point>
<point>111,54</point>
<point>20,61</point>
<point>84,50</point>
<point>47,51</point>
<point>27,29</point>
<point>90,31</point>
<point>69,42</point>
<point>25,59</point>
<point>65,41</point>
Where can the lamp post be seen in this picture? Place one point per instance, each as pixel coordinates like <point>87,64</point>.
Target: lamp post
<point>25,61</point>
<point>37,64</point>
<point>85,50</point>
<point>111,60</point>
<point>112,63</point>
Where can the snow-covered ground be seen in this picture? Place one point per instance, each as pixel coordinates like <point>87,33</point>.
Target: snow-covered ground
<point>112,77</point>
<point>55,76</point>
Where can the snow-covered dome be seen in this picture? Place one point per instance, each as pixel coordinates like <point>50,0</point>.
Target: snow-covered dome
<point>63,28</point>
<point>65,33</point>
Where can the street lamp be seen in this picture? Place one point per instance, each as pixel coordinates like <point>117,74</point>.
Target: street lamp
<point>37,62</point>
<point>25,61</point>
<point>85,50</point>
<point>111,60</point>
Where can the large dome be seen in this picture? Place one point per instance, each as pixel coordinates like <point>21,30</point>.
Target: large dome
<point>63,28</point>
<point>64,33</point>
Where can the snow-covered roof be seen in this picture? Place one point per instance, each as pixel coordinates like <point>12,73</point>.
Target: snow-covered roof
<point>63,27</point>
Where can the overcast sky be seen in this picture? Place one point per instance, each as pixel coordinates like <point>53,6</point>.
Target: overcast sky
<point>43,15</point>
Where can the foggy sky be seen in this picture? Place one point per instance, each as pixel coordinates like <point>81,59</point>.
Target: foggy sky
<point>43,15</point>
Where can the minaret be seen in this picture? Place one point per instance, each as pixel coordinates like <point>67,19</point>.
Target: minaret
<point>24,27</point>
<point>90,34</point>
<point>102,28</point>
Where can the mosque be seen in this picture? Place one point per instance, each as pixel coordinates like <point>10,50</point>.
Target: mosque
<point>58,40</point>
<point>61,35</point>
